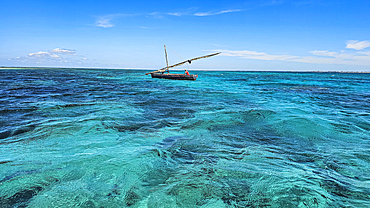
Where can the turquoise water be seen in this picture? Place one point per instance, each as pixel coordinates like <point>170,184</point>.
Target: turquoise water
<point>115,138</point>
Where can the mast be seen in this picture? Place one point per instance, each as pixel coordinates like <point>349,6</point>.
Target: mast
<point>165,52</point>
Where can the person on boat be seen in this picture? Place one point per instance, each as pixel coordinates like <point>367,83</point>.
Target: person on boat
<point>186,72</point>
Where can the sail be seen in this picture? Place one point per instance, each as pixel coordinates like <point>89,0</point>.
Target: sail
<point>181,63</point>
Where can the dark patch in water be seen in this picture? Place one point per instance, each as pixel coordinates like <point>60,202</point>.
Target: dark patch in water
<point>235,192</point>
<point>165,108</point>
<point>115,192</point>
<point>157,176</point>
<point>300,157</point>
<point>132,127</point>
<point>170,141</point>
<point>336,188</point>
<point>88,204</point>
<point>196,124</point>
<point>6,161</point>
<point>11,133</point>
<point>18,173</point>
<point>364,125</point>
<point>24,129</point>
<point>131,197</point>
<point>75,105</point>
<point>138,126</point>
<point>184,156</point>
<point>18,110</point>
<point>20,199</point>
<point>182,149</point>
<point>343,128</point>
<point>5,134</point>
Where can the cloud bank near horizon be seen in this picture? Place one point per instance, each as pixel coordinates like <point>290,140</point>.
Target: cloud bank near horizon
<point>319,56</point>
<point>54,56</point>
<point>355,55</point>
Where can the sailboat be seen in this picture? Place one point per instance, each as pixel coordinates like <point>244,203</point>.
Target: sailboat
<point>162,75</point>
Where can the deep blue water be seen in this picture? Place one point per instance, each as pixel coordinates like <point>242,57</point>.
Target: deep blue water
<point>116,138</point>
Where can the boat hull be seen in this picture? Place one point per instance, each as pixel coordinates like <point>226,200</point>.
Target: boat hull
<point>192,77</point>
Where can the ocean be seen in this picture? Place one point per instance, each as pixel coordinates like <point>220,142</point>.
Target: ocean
<point>117,138</point>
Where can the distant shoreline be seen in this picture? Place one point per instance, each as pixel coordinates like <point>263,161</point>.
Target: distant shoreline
<point>220,70</point>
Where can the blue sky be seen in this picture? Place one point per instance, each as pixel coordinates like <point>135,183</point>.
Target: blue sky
<point>300,35</point>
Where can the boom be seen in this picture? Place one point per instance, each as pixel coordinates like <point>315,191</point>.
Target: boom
<point>181,63</point>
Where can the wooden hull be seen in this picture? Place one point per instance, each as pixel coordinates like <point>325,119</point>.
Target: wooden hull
<point>192,77</point>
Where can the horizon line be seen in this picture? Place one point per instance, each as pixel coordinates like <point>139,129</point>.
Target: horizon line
<point>221,70</point>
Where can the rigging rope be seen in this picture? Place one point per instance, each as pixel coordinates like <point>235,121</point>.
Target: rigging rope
<point>179,56</point>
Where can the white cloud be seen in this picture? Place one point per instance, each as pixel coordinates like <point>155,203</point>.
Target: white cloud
<point>178,14</point>
<point>342,59</point>
<point>202,14</point>
<point>51,53</point>
<point>156,15</point>
<point>324,53</point>
<point>42,54</point>
<point>64,51</point>
<point>256,55</point>
<point>355,44</point>
<point>54,57</point>
<point>183,12</point>
<point>367,53</point>
<point>105,21</point>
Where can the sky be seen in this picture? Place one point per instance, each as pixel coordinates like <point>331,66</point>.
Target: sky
<point>278,35</point>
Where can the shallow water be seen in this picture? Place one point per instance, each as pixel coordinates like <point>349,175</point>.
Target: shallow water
<point>115,138</point>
